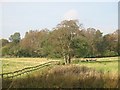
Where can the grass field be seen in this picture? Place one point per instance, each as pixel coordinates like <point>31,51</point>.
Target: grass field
<point>109,64</point>
<point>64,76</point>
<point>14,64</point>
<point>78,74</point>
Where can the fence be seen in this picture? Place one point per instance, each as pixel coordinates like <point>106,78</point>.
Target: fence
<point>25,70</point>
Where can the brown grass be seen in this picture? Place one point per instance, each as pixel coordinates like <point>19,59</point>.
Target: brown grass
<point>65,76</point>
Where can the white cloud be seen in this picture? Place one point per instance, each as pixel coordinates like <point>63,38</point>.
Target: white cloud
<point>71,15</point>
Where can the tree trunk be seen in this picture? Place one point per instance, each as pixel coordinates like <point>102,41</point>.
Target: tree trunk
<point>69,58</point>
<point>65,58</point>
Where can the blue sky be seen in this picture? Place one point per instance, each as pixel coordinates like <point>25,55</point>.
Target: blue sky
<point>21,17</point>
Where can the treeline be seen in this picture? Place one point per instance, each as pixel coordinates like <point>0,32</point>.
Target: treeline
<point>68,39</point>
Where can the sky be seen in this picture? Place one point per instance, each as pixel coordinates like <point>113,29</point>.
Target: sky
<point>24,16</point>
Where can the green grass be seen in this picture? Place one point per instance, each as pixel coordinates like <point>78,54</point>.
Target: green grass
<point>13,64</point>
<point>77,75</point>
<point>109,64</point>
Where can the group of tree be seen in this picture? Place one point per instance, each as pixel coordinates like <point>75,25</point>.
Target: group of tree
<point>68,39</point>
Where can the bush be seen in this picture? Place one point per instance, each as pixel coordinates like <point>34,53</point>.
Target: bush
<point>110,53</point>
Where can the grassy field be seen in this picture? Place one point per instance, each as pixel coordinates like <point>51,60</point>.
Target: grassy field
<point>77,75</point>
<point>109,64</point>
<point>13,64</point>
<point>64,76</point>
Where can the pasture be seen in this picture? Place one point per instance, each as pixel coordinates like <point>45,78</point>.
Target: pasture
<point>108,64</point>
<point>14,64</point>
<point>78,74</point>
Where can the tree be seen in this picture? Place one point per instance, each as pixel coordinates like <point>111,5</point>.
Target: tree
<point>68,39</point>
<point>80,47</point>
<point>34,42</point>
<point>3,42</point>
<point>98,39</point>
<point>11,48</point>
<point>15,37</point>
<point>110,43</point>
<point>62,37</point>
<point>6,50</point>
<point>94,40</point>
